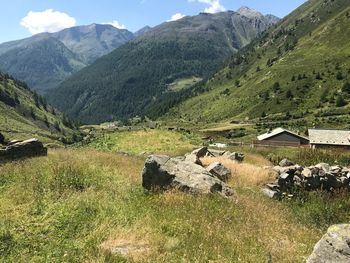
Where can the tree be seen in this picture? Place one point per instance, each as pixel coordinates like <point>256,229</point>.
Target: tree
<point>2,139</point>
<point>346,88</point>
<point>340,102</point>
<point>276,86</point>
<point>318,76</point>
<point>289,94</point>
<point>339,75</point>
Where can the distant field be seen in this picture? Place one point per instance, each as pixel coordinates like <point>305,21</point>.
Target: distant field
<point>146,141</point>
<point>181,84</point>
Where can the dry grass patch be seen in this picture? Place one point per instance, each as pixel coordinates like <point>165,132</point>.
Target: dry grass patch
<point>133,244</point>
<point>243,174</point>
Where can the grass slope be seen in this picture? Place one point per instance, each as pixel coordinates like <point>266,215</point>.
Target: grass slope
<point>24,114</point>
<point>77,205</point>
<point>296,70</point>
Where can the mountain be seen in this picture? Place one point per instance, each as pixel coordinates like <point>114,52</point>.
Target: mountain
<point>46,59</point>
<point>297,72</point>
<point>135,78</point>
<point>93,41</point>
<point>142,31</point>
<point>24,114</point>
<point>41,61</point>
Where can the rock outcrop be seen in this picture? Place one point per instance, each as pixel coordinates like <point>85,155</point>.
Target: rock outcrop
<point>319,177</point>
<point>220,171</point>
<point>163,173</point>
<point>22,149</point>
<point>334,246</point>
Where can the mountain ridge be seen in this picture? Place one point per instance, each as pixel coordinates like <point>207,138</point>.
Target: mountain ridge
<point>82,46</point>
<point>140,71</point>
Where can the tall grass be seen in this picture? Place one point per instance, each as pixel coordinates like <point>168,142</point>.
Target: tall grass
<point>81,205</point>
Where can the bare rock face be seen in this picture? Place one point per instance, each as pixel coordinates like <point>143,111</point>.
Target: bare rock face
<point>164,173</point>
<point>220,171</point>
<point>334,246</point>
<point>23,149</point>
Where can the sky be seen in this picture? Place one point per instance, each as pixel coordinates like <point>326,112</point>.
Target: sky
<point>23,18</point>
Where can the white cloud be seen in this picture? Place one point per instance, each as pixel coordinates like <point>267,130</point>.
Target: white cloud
<point>116,24</point>
<point>214,6</point>
<point>175,17</point>
<point>47,21</point>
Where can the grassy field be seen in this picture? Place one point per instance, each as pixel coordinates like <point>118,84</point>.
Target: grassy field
<point>148,141</point>
<point>88,205</point>
<point>74,205</point>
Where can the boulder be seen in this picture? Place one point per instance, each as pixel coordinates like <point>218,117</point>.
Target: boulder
<point>220,171</point>
<point>163,173</point>
<point>195,155</point>
<point>270,193</point>
<point>285,163</point>
<point>334,246</point>
<point>23,149</point>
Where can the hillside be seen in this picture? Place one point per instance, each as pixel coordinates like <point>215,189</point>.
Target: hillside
<point>45,60</point>
<point>24,114</point>
<point>296,73</point>
<point>135,78</point>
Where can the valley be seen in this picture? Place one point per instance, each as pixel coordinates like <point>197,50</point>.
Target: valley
<point>209,136</point>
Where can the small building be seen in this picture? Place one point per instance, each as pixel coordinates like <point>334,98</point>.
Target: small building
<point>326,138</point>
<point>282,137</point>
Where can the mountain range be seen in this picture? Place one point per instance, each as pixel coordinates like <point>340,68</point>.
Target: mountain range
<point>167,59</point>
<point>46,59</point>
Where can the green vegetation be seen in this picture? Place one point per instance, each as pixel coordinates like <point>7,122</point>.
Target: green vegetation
<point>149,141</point>
<point>181,84</point>
<point>24,114</point>
<point>302,79</point>
<point>81,204</point>
<point>133,79</point>
<point>73,205</point>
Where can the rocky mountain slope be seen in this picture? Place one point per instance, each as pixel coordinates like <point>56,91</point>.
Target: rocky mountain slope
<point>45,60</point>
<point>137,77</point>
<point>298,70</point>
<point>24,114</point>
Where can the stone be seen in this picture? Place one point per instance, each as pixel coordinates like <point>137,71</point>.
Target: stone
<point>23,149</point>
<point>285,163</point>
<point>200,152</point>
<point>324,166</point>
<point>236,157</point>
<point>193,159</point>
<point>306,172</point>
<point>164,173</point>
<point>270,193</point>
<point>334,246</point>
<point>273,186</point>
<point>220,171</point>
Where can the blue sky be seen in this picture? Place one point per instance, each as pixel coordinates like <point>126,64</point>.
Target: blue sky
<point>22,18</point>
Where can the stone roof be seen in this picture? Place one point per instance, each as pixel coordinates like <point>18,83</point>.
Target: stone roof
<point>276,132</point>
<point>329,137</point>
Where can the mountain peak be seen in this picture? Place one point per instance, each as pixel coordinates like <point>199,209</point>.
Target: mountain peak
<point>248,12</point>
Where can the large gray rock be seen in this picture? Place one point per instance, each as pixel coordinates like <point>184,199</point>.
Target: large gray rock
<point>220,171</point>
<point>163,173</point>
<point>194,157</point>
<point>334,246</point>
<point>23,149</point>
